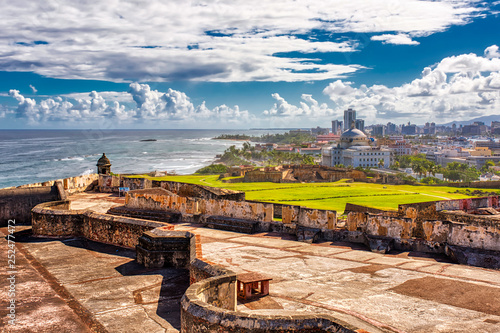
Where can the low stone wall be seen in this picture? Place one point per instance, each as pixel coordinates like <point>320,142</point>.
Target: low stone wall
<point>53,219</point>
<point>237,209</point>
<point>203,309</point>
<point>430,210</point>
<point>71,185</point>
<point>109,183</point>
<point>309,218</point>
<point>56,219</point>
<point>485,184</point>
<point>460,229</point>
<point>161,199</point>
<point>349,207</point>
<point>136,183</point>
<point>16,203</point>
<point>199,191</point>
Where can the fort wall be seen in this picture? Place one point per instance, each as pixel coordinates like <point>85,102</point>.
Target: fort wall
<point>54,219</point>
<point>16,202</point>
<point>204,192</point>
<point>158,199</point>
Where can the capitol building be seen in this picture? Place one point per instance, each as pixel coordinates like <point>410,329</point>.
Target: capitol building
<point>354,149</point>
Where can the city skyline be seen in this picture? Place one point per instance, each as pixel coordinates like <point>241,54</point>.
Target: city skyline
<point>241,65</point>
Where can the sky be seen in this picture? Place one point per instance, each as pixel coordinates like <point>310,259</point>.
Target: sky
<point>246,64</point>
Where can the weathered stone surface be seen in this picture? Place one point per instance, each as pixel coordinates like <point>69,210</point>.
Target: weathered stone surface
<point>231,224</point>
<point>165,248</point>
<point>308,235</point>
<point>473,257</point>
<point>380,244</point>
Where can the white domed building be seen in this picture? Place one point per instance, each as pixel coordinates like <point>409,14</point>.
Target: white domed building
<point>354,149</point>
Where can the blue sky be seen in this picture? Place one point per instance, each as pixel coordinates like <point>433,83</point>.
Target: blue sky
<point>240,64</point>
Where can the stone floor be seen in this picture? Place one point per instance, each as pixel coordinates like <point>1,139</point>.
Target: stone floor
<point>104,286</point>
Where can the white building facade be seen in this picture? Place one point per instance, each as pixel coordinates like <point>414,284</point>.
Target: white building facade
<point>354,150</point>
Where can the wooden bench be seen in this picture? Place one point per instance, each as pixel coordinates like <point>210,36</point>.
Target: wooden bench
<point>248,285</point>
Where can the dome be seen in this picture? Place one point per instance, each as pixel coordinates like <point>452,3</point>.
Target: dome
<point>103,161</point>
<point>353,133</point>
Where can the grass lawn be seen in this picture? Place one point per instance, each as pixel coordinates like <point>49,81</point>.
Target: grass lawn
<point>332,196</point>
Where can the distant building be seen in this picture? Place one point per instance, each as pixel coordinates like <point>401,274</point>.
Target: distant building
<point>401,147</point>
<point>313,151</point>
<point>391,128</point>
<point>337,126</point>
<point>320,131</point>
<point>410,129</point>
<point>493,145</point>
<point>360,124</point>
<point>378,130</point>
<point>477,128</point>
<point>430,128</point>
<point>349,118</point>
<point>495,127</point>
<point>354,149</point>
<point>327,138</point>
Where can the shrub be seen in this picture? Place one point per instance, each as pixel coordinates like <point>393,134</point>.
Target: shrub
<point>213,169</point>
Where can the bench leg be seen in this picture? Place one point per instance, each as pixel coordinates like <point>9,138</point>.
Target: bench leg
<point>248,290</point>
<point>264,286</point>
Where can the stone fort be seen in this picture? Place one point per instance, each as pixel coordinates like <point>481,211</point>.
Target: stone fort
<point>466,231</point>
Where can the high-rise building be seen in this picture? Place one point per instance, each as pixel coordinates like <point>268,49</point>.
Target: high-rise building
<point>349,118</point>
<point>391,128</point>
<point>378,130</point>
<point>495,127</point>
<point>410,129</point>
<point>360,124</point>
<point>336,126</point>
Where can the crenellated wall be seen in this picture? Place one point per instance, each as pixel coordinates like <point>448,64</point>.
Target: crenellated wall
<point>309,218</point>
<point>160,199</point>
<point>433,227</point>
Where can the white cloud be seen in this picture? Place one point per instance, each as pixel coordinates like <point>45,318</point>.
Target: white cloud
<point>33,89</point>
<point>309,108</point>
<point>456,88</point>
<point>492,52</point>
<point>223,41</point>
<point>150,106</point>
<point>399,39</point>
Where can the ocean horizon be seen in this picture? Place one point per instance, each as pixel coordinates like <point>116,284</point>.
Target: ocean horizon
<point>33,156</point>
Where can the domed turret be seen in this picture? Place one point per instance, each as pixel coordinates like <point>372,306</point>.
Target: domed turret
<point>104,165</point>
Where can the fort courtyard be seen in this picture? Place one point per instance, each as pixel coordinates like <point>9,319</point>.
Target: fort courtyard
<point>78,285</point>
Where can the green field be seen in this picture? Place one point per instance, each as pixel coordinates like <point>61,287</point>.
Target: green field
<point>332,196</point>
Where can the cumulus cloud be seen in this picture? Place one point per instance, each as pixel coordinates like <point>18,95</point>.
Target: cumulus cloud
<point>309,107</point>
<point>57,108</point>
<point>492,52</point>
<point>223,41</point>
<point>399,39</point>
<point>33,89</point>
<point>453,89</point>
<point>146,105</point>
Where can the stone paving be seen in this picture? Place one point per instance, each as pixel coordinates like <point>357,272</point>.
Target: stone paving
<point>397,292</point>
<point>352,281</point>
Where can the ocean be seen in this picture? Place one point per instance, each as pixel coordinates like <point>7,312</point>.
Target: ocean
<point>32,156</point>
